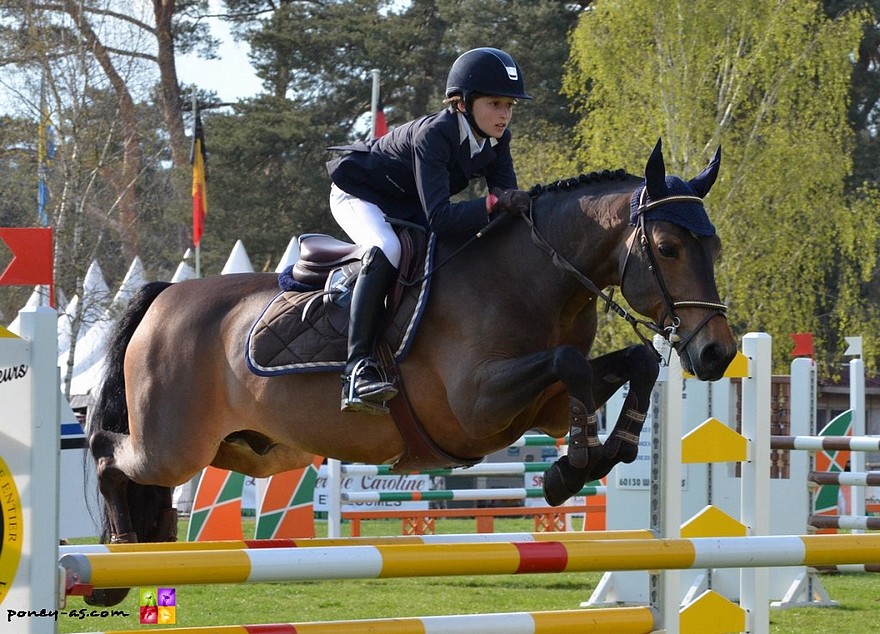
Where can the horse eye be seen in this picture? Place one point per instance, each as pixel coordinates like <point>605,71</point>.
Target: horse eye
<point>667,251</point>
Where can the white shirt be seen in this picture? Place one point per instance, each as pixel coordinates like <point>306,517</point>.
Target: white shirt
<point>466,132</point>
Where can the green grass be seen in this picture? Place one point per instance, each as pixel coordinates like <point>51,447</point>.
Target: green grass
<point>858,595</point>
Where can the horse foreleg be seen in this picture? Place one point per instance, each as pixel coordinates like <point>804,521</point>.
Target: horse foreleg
<point>639,365</point>
<point>587,458</point>
<point>570,472</point>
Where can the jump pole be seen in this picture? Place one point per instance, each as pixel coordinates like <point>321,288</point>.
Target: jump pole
<point>515,493</point>
<point>114,570</point>
<point>608,621</point>
<point>320,542</point>
<point>335,471</point>
<point>30,446</point>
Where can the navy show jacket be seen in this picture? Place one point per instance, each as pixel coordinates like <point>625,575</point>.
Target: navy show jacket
<point>411,172</point>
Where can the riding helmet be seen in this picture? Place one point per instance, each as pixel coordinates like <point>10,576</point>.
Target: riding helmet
<point>487,71</point>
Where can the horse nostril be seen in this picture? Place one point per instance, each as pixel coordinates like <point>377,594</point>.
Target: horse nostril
<point>711,356</point>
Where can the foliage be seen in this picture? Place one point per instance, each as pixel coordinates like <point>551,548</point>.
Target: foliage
<point>768,81</point>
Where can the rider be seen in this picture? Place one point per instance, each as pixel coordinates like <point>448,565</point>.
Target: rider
<point>410,174</point>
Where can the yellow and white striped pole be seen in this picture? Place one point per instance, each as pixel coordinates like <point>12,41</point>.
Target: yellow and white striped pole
<point>389,540</point>
<point>636,620</point>
<point>114,570</point>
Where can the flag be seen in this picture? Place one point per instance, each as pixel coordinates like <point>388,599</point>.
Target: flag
<point>803,344</point>
<point>32,254</point>
<point>380,125</point>
<point>198,158</point>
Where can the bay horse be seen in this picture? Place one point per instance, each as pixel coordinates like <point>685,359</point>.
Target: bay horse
<point>502,348</point>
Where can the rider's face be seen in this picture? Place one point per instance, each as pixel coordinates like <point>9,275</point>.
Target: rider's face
<point>492,114</point>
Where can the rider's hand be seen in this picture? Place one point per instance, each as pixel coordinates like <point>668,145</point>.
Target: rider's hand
<point>513,201</point>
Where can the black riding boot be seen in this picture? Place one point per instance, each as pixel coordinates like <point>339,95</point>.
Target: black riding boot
<point>364,386</point>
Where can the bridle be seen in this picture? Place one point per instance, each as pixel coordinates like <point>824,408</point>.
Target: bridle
<point>670,332</point>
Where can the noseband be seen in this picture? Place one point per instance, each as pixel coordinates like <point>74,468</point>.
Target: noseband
<point>670,332</point>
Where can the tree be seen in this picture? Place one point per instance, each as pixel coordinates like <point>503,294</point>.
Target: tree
<point>117,129</point>
<point>769,82</point>
<point>315,58</point>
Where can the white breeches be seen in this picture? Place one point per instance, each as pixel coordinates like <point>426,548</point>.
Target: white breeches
<point>364,223</point>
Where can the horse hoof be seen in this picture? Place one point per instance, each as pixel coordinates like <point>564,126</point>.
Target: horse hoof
<point>106,597</point>
<point>562,481</point>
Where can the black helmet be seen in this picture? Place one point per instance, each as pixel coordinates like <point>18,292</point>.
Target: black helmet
<point>487,71</point>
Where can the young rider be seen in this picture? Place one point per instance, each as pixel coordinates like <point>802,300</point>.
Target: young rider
<point>410,174</point>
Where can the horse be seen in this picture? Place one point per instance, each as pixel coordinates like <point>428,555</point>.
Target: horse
<point>503,347</point>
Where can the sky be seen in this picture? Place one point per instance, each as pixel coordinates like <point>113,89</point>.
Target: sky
<point>230,75</point>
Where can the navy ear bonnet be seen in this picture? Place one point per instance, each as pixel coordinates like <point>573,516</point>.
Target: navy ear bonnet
<point>688,214</point>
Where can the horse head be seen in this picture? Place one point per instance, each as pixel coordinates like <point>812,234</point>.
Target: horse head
<point>668,271</point>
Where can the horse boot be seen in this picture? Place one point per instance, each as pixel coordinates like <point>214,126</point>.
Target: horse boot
<point>364,386</point>
<point>622,444</point>
<point>569,474</point>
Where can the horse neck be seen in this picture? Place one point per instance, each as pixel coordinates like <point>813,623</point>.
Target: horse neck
<point>588,228</point>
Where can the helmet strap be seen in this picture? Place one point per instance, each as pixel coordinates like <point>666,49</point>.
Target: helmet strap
<point>468,100</point>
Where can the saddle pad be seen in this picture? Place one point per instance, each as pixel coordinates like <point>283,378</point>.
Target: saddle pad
<point>299,332</point>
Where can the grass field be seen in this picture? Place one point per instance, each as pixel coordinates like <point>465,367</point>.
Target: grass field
<point>858,595</point>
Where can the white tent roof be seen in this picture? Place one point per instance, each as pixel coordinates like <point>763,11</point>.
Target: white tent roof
<point>291,255</point>
<point>95,298</point>
<point>65,324</point>
<point>238,261</point>
<point>184,272</point>
<point>134,279</point>
<point>38,297</point>
<point>88,360</point>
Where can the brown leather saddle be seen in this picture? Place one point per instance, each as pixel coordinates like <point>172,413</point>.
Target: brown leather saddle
<point>305,327</point>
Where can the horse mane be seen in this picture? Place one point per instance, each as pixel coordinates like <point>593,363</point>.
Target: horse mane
<point>578,181</point>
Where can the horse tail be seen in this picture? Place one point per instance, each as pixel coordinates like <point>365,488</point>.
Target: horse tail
<point>109,413</point>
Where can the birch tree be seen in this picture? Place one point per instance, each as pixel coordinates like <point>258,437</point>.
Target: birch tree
<point>768,81</point>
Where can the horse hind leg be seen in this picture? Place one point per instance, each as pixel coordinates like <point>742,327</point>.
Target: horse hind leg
<point>132,512</point>
<point>113,485</point>
<point>135,512</point>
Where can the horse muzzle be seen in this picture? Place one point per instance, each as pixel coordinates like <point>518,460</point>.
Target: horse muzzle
<point>708,350</point>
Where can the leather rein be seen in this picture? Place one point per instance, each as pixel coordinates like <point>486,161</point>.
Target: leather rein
<point>670,332</point>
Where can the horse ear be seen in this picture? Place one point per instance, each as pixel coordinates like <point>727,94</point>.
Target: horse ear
<point>703,181</point>
<point>655,173</point>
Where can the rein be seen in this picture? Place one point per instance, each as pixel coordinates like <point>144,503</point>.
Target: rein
<point>610,305</point>
<point>670,333</point>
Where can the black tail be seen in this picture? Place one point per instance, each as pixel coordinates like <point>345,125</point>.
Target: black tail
<point>110,412</point>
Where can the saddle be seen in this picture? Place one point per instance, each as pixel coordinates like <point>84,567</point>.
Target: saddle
<point>305,327</point>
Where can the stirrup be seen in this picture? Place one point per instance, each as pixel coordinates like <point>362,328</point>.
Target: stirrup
<point>383,389</point>
<point>352,402</point>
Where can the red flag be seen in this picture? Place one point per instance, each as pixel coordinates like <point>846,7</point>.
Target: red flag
<point>32,255</point>
<point>803,344</point>
<point>380,125</point>
<point>198,158</point>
